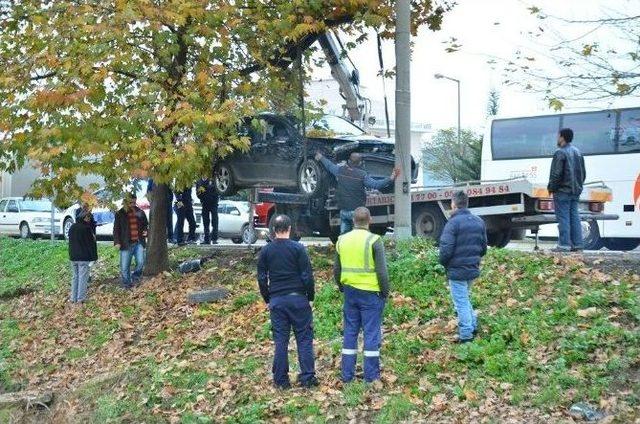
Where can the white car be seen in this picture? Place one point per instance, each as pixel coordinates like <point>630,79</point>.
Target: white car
<point>27,218</point>
<point>233,221</point>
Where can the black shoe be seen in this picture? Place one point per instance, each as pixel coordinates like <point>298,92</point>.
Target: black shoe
<point>577,249</point>
<point>206,242</point>
<point>181,243</point>
<point>560,250</point>
<point>463,341</point>
<point>214,242</point>
<point>285,386</point>
<point>312,382</point>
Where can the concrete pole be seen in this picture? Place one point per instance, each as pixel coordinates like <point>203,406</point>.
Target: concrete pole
<point>402,224</point>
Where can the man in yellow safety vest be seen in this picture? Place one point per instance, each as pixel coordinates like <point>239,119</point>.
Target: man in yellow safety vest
<point>360,269</point>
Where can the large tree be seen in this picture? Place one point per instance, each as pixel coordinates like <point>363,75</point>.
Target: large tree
<point>154,88</point>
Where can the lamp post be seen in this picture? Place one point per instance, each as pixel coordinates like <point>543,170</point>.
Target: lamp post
<point>440,76</point>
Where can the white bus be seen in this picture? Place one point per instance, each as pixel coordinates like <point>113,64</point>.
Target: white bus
<point>610,143</point>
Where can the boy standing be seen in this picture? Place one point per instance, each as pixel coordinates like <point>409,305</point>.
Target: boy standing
<point>83,249</point>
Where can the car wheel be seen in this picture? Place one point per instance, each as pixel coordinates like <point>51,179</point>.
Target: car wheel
<point>25,231</point>
<point>428,222</point>
<point>68,222</point>
<point>310,178</point>
<point>236,240</point>
<point>225,183</point>
<point>248,234</point>
<point>591,236</point>
<point>623,244</point>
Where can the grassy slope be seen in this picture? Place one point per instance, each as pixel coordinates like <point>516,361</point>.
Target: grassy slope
<point>147,356</point>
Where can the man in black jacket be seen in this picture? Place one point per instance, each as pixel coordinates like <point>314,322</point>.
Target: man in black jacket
<point>208,195</point>
<point>565,184</point>
<point>184,210</point>
<point>83,249</point>
<point>462,244</point>
<point>352,182</point>
<point>285,279</point>
<point>130,237</point>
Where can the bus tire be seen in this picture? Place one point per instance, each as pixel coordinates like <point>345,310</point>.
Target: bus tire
<point>427,221</point>
<point>499,238</point>
<point>623,244</point>
<point>591,236</point>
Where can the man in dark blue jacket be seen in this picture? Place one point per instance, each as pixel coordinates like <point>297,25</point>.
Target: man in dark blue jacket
<point>462,244</point>
<point>286,284</point>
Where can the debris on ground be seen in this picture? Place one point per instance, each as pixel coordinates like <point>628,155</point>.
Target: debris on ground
<point>208,295</point>
<point>586,412</point>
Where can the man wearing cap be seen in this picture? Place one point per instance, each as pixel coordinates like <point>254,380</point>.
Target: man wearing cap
<point>360,270</point>
<point>130,236</point>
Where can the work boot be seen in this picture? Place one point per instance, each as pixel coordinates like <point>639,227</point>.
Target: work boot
<point>308,384</point>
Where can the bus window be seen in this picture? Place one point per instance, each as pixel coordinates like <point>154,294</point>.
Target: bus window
<point>524,137</point>
<point>629,131</point>
<point>593,133</point>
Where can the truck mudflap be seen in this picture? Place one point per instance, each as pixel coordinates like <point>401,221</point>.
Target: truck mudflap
<point>550,218</point>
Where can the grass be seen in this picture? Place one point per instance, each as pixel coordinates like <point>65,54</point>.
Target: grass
<point>190,363</point>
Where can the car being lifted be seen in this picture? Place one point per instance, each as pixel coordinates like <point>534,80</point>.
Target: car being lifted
<point>278,158</point>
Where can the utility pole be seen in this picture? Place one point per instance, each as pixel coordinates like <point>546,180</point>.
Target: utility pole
<point>402,204</point>
<point>457,81</point>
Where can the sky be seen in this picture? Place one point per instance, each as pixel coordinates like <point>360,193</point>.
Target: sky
<point>486,29</point>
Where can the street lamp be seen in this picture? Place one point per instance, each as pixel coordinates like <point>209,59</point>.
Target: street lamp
<point>440,76</point>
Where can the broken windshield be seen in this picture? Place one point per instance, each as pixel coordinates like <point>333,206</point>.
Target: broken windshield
<point>334,125</point>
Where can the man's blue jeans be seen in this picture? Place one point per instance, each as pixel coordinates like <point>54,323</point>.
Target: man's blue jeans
<point>294,311</point>
<point>346,221</point>
<point>135,250</point>
<point>569,225</point>
<point>467,319</point>
<point>80,279</point>
<point>362,310</point>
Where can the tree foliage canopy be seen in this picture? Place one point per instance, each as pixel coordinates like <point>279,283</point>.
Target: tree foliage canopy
<point>127,89</point>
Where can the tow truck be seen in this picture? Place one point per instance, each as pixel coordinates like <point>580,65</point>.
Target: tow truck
<point>506,206</point>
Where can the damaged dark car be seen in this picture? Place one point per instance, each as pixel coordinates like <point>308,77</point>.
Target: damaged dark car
<point>278,158</point>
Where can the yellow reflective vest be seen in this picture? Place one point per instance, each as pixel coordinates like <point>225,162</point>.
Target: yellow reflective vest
<point>356,259</point>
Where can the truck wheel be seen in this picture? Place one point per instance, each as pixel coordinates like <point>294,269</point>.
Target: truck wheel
<point>224,180</point>
<point>428,221</point>
<point>621,243</point>
<point>499,238</point>
<point>591,236</point>
<point>310,177</point>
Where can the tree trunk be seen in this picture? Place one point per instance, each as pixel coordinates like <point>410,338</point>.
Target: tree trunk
<point>157,252</point>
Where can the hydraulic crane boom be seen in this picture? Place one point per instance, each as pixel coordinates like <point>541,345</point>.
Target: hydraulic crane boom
<point>347,80</point>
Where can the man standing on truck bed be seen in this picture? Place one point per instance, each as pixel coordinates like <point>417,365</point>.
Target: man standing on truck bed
<point>352,181</point>
<point>565,184</point>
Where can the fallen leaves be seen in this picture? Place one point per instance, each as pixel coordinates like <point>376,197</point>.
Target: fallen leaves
<point>588,312</point>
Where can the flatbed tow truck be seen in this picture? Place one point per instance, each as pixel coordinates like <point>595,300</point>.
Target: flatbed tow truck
<point>506,207</point>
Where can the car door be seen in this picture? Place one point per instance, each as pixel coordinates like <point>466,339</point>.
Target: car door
<point>223,221</point>
<point>235,220</point>
<point>282,152</point>
<point>12,217</point>
<point>243,164</point>
<point>3,216</point>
